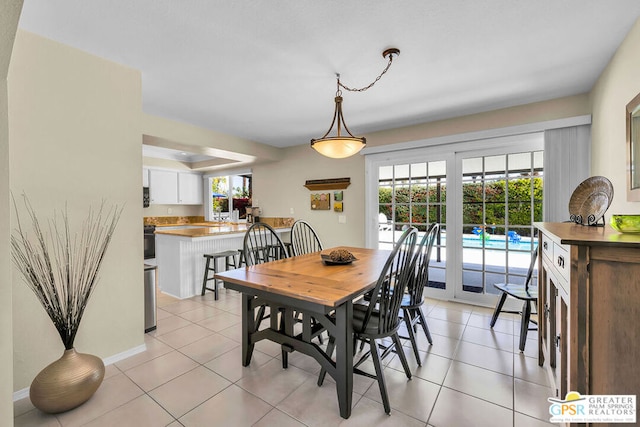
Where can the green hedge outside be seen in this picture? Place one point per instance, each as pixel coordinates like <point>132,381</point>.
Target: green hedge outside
<point>423,199</point>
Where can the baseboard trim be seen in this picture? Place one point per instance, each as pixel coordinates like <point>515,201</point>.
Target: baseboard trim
<point>125,354</point>
<point>21,394</point>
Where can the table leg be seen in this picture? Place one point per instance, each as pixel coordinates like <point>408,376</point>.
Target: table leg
<point>344,357</point>
<point>248,327</point>
<point>287,329</point>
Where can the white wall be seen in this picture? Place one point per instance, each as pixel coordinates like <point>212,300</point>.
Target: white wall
<point>160,131</point>
<point>570,106</point>
<point>278,187</point>
<point>9,14</point>
<point>75,135</point>
<point>617,85</point>
<point>173,210</point>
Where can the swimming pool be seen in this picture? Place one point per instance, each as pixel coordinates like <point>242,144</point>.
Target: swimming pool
<point>496,242</point>
<point>471,241</point>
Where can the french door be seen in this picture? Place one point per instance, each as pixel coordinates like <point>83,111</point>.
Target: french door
<point>501,198</point>
<point>415,194</point>
<point>486,196</point>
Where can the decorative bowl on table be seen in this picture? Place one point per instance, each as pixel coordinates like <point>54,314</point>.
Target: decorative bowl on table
<point>338,257</point>
<point>626,223</point>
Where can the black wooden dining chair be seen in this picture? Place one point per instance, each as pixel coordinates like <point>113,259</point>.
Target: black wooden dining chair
<point>304,238</point>
<point>380,318</point>
<point>523,292</point>
<point>413,300</point>
<point>262,244</point>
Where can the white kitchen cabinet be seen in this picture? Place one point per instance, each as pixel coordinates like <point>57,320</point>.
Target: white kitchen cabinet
<point>163,187</point>
<point>168,187</point>
<point>189,189</point>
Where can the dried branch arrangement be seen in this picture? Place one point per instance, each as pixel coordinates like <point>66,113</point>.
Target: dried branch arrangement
<point>61,266</point>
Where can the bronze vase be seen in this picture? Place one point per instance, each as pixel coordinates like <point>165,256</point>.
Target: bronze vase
<point>67,383</point>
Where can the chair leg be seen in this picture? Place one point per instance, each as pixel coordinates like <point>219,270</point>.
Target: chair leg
<point>408,321</point>
<point>286,325</point>
<point>524,325</point>
<point>498,309</point>
<point>229,261</point>
<point>330,347</point>
<point>403,359</point>
<point>425,327</point>
<point>377,363</point>
<point>215,281</point>
<point>206,276</point>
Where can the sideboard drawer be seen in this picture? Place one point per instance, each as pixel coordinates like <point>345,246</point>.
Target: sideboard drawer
<point>547,247</point>
<point>561,261</point>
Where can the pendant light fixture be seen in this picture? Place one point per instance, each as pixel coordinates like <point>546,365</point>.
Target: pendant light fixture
<point>341,146</point>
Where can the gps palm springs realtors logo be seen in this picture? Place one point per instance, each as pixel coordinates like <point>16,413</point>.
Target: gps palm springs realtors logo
<point>593,409</point>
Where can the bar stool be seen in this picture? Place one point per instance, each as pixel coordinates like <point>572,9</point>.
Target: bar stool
<point>229,260</point>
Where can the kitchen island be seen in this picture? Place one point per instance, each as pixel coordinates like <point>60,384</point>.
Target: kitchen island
<point>179,251</point>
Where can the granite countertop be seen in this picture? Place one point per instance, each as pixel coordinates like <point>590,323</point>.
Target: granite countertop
<point>193,224</point>
<point>160,221</point>
<point>197,227</point>
<point>205,230</point>
<point>212,229</point>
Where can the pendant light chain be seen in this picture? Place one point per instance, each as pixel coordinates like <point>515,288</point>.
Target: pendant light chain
<point>341,146</point>
<point>362,89</point>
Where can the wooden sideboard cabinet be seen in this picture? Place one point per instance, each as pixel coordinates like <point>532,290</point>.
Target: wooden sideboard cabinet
<point>589,305</point>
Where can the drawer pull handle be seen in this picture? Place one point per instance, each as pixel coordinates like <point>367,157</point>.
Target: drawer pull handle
<point>560,261</point>
<point>546,310</point>
<point>545,246</point>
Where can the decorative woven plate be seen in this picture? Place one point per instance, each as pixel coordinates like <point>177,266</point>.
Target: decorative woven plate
<point>590,200</point>
<point>328,261</point>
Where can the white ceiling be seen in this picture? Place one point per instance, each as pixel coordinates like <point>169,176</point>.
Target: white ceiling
<point>265,70</point>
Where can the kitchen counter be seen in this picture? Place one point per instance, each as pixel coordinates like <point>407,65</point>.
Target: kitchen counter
<point>201,230</point>
<point>180,251</point>
<point>191,224</point>
<point>213,228</point>
<point>207,229</point>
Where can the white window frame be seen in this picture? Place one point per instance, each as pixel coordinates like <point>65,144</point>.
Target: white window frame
<point>208,202</point>
<point>452,153</point>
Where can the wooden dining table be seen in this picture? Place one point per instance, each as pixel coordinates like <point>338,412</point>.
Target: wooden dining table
<point>321,293</point>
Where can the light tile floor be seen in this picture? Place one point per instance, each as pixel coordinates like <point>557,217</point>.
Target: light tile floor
<point>191,375</point>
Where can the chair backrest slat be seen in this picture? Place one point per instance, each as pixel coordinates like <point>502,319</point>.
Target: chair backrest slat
<point>304,238</point>
<point>390,287</point>
<point>416,286</point>
<point>262,244</point>
<point>534,257</point>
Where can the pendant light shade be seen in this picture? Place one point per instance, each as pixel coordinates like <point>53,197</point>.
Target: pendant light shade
<point>340,146</point>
